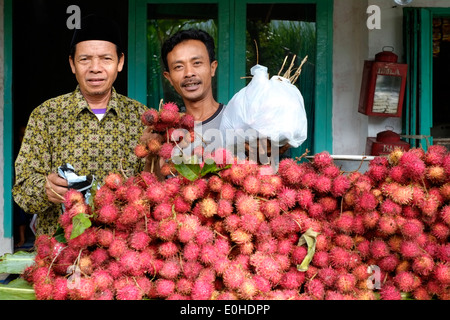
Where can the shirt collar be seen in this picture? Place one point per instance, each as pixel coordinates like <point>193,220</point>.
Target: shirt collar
<point>80,102</point>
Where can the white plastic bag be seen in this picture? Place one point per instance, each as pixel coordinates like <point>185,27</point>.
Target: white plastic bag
<point>272,108</point>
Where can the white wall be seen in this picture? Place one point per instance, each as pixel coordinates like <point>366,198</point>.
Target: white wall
<point>353,43</point>
<point>350,46</point>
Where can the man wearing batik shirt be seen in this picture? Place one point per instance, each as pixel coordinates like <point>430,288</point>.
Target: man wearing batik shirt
<point>94,128</point>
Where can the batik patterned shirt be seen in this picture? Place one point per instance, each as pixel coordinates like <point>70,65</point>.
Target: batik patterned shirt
<point>65,130</point>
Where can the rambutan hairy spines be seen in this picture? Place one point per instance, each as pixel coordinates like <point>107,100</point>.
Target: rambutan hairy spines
<point>389,292</point>
<point>246,204</point>
<point>322,160</point>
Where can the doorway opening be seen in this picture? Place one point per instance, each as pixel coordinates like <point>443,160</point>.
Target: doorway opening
<point>41,70</point>
<point>441,68</point>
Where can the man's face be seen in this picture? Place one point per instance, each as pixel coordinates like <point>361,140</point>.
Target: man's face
<point>96,66</point>
<point>190,71</point>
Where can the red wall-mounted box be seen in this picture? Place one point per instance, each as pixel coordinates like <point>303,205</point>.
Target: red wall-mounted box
<point>382,89</point>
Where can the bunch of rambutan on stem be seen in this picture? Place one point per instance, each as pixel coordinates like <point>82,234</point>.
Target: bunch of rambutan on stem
<point>174,130</point>
<point>237,234</point>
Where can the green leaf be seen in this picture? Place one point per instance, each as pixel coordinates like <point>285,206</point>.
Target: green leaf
<point>59,235</point>
<point>18,289</point>
<point>16,263</point>
<point>209,167</point>
<point>189,171</point>
<point>80,223</point>
<point>309,237</point>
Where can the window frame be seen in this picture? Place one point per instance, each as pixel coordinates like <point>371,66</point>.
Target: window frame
<point>231,39</point>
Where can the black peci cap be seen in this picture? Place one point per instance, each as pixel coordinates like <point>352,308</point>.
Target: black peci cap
<point>96,27</point>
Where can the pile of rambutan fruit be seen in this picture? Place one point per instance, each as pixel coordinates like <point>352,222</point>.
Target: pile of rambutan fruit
<point>225,232</point>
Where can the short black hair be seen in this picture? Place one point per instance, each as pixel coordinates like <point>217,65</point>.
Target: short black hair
<point>189,34</point>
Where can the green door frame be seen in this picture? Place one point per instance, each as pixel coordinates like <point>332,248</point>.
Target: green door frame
<point>231,20</point>
<point>8,165</point>
<point>418,35</point>
<point>137,46</point>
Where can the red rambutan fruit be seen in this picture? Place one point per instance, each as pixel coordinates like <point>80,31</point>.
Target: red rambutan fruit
<point>440,230</point>
<point>389,292</point>
<point>316,211</point>
<point>367,201</point>
<point>227,192</point>
<point>405,281</point>
<point>331,171</point>
<point>60,290</point>
<point>389,207</point>
<point>180,205</point>
<point>202,290</point>
<point>164,287</point>
<point>340,185</point>
<point>413,165</point>
<point>322,184</point>
<point>345,282</point>
<point>129,215</point>
<point>251,185</point>
<point>246,204</point>
<point>315,288</point>
<point>387,225</point>
<point>411,228</point>
<point>298,254</point>
<point>170,269</point>
<point>344,222</point>
<point>208,207</point>
<point>187,121</point>
<point>155,193</point>
<point>292,279</point>
<point>304,198</point>
<point>423,265</point>
<point>339,257</point>
<point>322,160</point>
<point>344,241</point>
<point>190,192</point>
<point>370,219</point>
<point>435,154</point>
<point>162,211</point>
<point>72,197</point>
<point>290,171</point>
<point>102,279</point>
<point>379,249</point>
<point>421,294</point>
<point>150,117</point>
<point>410,249</point>
<point>184,286</point>
<point>328,275</point>
<point>445,190</point>
<point>436,174</point>
<point>139,240</point>
<point>377,172</point>
<point>363,248</point>
<point>43,290</point>
<point>215,183</point>
<point>397,174</point>
<point>233,276</point>
<point>141,150</point>
<point>169,117</point>
<point>131,263</point>
<point>389,262</point>
<point>117,248</point>
<point>441,273</point>
<point>320,259</point>
<point>113,180</point>
<point>204,235</point>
